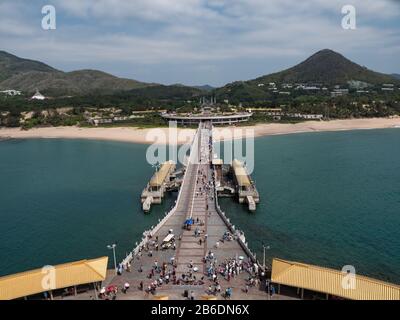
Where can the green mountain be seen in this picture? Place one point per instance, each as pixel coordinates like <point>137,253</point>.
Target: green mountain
<point>396,75</point>
<point>206,88</point>
<point>28,75</point>
<point>326,67</point>
<point>11,65</point>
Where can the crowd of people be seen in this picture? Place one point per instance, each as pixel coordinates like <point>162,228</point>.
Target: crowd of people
<point>216,273</point>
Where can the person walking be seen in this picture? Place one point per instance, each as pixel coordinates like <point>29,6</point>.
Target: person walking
<point>126,287</point>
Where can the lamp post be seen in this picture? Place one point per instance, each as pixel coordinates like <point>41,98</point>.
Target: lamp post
<point>112,247</point>
<point>264,249</point>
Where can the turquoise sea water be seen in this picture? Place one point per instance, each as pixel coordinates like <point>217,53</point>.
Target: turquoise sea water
<point>65,200</point>
<point>331,199</point>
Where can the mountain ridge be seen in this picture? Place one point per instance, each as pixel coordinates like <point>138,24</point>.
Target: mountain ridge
<point>31,75</point>
<point>325,67</point>
<point>328,67</point>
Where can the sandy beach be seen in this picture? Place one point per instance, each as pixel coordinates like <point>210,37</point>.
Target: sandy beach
<point>166,135</point>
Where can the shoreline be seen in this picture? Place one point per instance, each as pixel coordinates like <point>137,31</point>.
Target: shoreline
<point>162,135</point>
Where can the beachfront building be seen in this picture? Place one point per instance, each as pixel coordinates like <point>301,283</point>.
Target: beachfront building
<point>278,113</point>
<point>216,119</point>
<point>61,281</point>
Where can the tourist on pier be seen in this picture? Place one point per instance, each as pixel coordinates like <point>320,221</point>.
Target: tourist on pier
<point>272,291</point>
<point>228,293</point>
<point>126,287</point>
<point>210,290</point>
<point>119,269</point>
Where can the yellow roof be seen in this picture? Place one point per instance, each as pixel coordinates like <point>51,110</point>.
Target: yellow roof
<point>329,281</point>
<point>65,275</point>
<point>158,178</point>
<point>241,174</point>
<point>161,298</point>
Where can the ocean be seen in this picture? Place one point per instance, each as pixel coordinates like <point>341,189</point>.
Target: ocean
<point>331,199</point>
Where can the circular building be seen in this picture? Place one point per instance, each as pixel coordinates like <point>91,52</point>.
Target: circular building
<point>216,119</point>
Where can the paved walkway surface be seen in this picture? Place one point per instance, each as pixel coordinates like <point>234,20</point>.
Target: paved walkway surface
<point>186,266</point>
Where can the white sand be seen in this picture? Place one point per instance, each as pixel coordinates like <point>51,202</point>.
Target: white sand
<point>162,135</point>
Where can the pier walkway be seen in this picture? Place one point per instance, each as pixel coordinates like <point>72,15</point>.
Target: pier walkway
<point>209,248</point>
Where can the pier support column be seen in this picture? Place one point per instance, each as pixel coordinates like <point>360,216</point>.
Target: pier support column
<point>95,291</point>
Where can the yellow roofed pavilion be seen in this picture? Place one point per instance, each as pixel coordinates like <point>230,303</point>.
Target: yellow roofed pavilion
<point>329,281</point>
<point>66,275</point>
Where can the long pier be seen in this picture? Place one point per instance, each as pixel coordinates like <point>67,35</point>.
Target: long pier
<point>205,240</point>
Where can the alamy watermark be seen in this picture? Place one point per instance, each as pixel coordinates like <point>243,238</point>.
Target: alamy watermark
<point>49,21</point>
<point>349,277</point>
<point>49,278</point>
<point>173,144</point>
<point>349,21</point>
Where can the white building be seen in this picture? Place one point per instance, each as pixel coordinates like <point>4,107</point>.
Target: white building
<point>11,92</point>
<point>38,96</point>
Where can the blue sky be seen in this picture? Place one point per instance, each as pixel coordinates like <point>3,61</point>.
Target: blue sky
<point>199,41</point>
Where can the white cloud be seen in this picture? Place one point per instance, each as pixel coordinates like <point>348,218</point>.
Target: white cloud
<point>204,32</point>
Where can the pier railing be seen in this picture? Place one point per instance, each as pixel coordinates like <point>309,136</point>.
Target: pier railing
<point>240,234</point>
<point>233,229</point>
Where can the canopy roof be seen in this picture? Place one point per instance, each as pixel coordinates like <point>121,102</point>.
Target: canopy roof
<point>65,275</point>
<point>329,281</point>
<point>241,175</point>
<point>158,178</point>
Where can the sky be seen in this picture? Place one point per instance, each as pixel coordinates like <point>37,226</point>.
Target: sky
<point>198,42</point>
